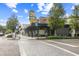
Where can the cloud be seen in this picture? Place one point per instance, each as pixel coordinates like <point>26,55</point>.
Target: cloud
<point>3,22</point>
<point>73,7</point>
<point>26,11</point>
<point>40,6</point>
<point>25,21</point>
<point>11,5</point>
<point>44,12</point>
<point>44,8</point>
<point>48,7</point>
<point>20,16</point>
<point>76,3</point>
<point>15,11</point>
<point>66,15</point>
<point>28,17</point>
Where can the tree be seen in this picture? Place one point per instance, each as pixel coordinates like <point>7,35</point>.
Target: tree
<point>12,22</point>
<point>2,28</point>
<point>55,16</point>
<point>74,23</point>
<point>76,11</point>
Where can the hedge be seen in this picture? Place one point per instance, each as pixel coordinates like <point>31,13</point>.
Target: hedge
<point>58,37</point>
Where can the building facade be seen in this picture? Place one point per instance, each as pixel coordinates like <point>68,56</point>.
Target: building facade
<point>38,27</point>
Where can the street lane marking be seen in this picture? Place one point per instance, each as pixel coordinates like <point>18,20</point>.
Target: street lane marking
<point>61,48</point>
<point>64,43</point>
<point>21,49</point>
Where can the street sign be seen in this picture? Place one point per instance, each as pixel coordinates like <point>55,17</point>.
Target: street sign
<point>17,26</point>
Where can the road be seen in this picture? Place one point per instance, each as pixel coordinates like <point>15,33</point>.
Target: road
<point>28,46</point>
<point>31,47</point>
<point>9,47</point>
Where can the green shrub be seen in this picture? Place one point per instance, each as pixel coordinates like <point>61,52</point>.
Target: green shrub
<point>58,37</point>
<point>8,31</point>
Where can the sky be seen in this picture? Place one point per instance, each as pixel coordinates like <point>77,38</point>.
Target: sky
<point>22,10</point>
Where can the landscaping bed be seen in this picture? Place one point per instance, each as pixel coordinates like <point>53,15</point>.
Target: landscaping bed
<point>61,37</point>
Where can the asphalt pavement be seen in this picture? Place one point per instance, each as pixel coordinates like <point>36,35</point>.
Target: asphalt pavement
<point>32,46</point>
<point>49,47</point>
<point>9,47</point>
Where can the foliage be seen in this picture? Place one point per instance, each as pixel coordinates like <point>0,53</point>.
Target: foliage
<point>56,23</point>
<point>12,22</point>
<point>56,16</point>
<point>8,31</point>
<point>57,10</point>
<point>75,18</point>
<point>58,37</point>
<point>2,28</point>
<point>76,11</point>
<point>74,24</point>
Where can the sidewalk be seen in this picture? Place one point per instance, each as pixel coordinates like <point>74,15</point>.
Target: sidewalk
<point>26,37</point>
<point>34,38</point>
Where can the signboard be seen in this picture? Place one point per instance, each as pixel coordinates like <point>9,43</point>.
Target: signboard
<point>17,26</point>
<point>43,20</point>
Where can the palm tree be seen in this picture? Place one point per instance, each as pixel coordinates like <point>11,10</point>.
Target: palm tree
<point>55,17</point>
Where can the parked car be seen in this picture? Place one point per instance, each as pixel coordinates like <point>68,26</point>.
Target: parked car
<point>8,35</point>
<point>1,33</point>
<point>12,36</point>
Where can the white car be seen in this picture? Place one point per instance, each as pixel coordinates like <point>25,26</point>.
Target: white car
<point>1,33</point>
<point>12,36</point>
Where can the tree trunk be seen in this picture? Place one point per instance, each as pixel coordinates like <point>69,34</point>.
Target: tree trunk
<point>55,33</point>
<point>73,33</point>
